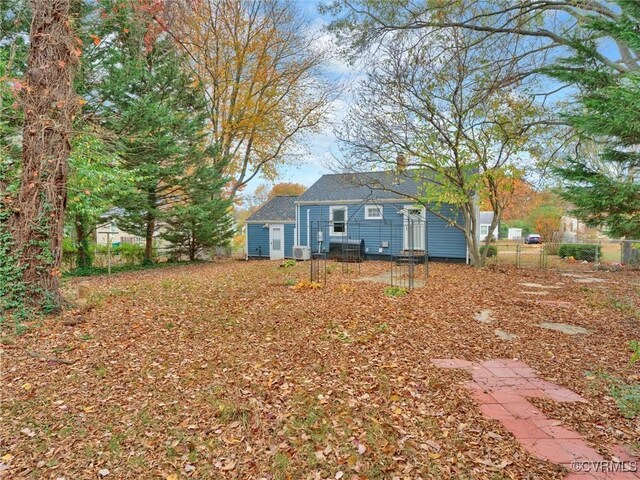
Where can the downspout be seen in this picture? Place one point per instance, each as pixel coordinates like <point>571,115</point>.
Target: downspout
<point>246,242</point>
<point>297,227</point>
<point>308,229</point>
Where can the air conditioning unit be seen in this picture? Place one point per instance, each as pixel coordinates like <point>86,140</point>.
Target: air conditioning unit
<point>302,253</point>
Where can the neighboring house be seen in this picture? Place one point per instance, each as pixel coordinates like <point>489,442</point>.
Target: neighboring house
<point>573,230</point>
<point>270,230</point>
<point>485,224</point>
<point>108,228</point>
<point>117,236</point>
<point>378,209</point>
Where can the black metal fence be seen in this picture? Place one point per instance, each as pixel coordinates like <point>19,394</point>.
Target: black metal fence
<point>402,243</point>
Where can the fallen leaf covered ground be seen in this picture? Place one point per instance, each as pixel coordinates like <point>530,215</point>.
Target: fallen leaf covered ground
<point>227,371</point>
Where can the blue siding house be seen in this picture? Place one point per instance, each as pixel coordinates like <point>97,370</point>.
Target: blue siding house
<point>374,211</point>
<point>270,231</point>
<point>379,208</point>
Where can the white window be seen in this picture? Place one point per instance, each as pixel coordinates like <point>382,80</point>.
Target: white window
<point>338,218</point>
<point>484,230</point>
<point>373,212</point>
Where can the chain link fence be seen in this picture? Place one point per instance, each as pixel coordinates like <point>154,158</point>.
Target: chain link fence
<point>567,256</point>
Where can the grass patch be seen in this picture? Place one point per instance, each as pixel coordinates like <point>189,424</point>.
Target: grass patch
<point>610,301</point>
<point>627,396</point>
<point>228,412</point>
<point>383,328</point>
<point>115,444</point>
<point>395,291</point>
<point>280,464</point>
<point>93,271</point>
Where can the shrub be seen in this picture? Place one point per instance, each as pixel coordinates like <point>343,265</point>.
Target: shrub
<point>306,285</point>
<point>492,251</point>
<point>130,253</point>
<point>580,251</point>
<point>69,251</point>
<point>288,263</point>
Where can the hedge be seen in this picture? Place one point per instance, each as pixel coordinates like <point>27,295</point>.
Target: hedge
<point>580,251</point>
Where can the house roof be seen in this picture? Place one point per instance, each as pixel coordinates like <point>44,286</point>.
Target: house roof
<point>281,208</point>
<point>486,218</point>
<point>114,212</point>
<point>361,186</point>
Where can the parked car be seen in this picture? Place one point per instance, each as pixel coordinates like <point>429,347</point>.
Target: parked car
<point>532,238</point>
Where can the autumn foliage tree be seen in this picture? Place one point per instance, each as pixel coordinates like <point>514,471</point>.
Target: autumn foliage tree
<point>258,67</point>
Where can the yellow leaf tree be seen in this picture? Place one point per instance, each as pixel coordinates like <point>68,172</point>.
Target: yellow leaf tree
<point>259,68</point>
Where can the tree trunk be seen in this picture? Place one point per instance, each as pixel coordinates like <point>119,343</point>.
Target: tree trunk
<point>83,255</point>
<point>470,233</point>
<point>148,239</point>
<point>49,102</point>
<point>192,247</point>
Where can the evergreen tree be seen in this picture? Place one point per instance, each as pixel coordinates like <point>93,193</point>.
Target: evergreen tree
<point>202,219</point>
<point>97,180</point>
<point>606,190</point>
<point>156,112</point>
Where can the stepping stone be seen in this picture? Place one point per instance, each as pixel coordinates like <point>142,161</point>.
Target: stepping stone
<point>484,316</point>
<point>564,328</point>
<point>537,285</point>
<point>536,292</point>
<point>588,280</point>
<point>502,335</point>
<point>555,303</point>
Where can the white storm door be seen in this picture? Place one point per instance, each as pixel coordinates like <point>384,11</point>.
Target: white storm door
<point>276,242</point>
<point>414,228</point>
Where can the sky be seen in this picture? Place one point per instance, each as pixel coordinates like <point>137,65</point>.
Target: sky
<point>319,147</point>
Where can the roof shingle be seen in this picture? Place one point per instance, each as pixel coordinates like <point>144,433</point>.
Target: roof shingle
<point>361,186</point>
<point>278,208</point>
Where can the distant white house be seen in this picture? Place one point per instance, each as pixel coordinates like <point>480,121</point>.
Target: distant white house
<point>514,234</point>
<point>108,230</point>
<point>574,230</point>
<point>485,225</point>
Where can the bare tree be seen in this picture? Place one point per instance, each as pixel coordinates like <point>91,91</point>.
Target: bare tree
<point>439,104</point>
<point>49,103</point>
<point>539,25</point>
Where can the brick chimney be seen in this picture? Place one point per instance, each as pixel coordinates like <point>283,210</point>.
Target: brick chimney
<point>401,163</point>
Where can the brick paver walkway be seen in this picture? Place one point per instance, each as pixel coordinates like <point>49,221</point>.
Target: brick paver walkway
<point>501,388</point>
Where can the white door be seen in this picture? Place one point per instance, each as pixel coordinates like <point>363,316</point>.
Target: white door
<point>276,242</point>
<point>415,228</point>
